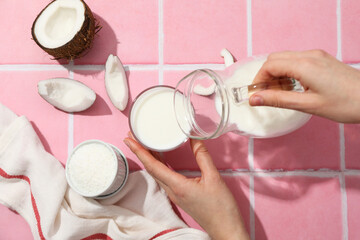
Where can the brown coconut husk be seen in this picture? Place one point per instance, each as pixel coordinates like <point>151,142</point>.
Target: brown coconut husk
<point>81,42</point>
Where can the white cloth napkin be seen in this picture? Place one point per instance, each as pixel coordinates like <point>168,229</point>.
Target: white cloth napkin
<point>33,183</point>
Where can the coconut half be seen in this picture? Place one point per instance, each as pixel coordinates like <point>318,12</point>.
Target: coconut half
<point>65,29</point>
<point>66,94</point>
<point>116,82</point>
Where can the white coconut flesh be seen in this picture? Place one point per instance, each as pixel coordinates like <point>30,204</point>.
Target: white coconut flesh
<point>116,82</point>
<point>228,58</point>
<point>66,94</point>
<point>59,23</point>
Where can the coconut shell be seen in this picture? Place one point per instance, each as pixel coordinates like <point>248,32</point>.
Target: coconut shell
<point>81,42</point>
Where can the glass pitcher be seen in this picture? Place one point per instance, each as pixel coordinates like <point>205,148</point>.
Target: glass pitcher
<point>216,102</point>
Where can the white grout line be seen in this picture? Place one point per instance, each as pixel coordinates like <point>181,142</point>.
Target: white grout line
<point>33,67</point>
<point>251,140</point>
<point>273,173</point>
<point>355,65</point>
<point>71,116</point>
<point>344,207</point>
<point>249,28</point>
<point>338,27</point>
<point>161,42</point>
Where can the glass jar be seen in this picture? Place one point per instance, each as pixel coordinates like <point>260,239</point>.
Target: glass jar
<point>216,102</point>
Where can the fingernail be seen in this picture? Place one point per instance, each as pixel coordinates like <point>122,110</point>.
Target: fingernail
<point>256,101</point>
<point>127,143</point>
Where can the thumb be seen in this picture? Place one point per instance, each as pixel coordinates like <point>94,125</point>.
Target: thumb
<point>203,157</point>
<point>283,99</point>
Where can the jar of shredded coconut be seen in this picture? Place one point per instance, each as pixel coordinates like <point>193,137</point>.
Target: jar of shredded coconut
<point>96,169</point>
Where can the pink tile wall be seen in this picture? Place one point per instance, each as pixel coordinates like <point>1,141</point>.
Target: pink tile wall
<point>350,25</point>
<point>153,32</point>
<point>352,150</point>
<point>314,146</point>
<point>129,30</point>
<point>279,25</point>
<point>297,208</point>
<point>196,31</point>
<point>103,121</point>
<point>13,226</point>
<point>353,199</point>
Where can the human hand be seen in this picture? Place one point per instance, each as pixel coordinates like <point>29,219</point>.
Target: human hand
<point>332,88</point>
<point>207,198</point>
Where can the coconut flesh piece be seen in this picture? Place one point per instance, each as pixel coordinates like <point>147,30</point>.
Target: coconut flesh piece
<point>228,58</point>
<point>66,94</point>
<point>64,29</point>
<point>116,82</point>
<point>207,91</point>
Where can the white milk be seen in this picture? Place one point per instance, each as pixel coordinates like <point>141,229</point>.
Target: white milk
<point>259,121</point>
<point>153,120</point>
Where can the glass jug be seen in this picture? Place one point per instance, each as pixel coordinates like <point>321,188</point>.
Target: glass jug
<point>216,102</point>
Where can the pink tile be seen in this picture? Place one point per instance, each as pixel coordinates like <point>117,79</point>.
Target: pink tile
<point>103,121</point>
<point>350,11</point>
<point>313,146</point>
<point>352,150</point>
<point>228,151</point>
<point>279,25</point>
<point>16,44</point>
<point>13,226</point>
<point>196,31</point>
<point>18,91</point>
<point>239,186</point>
<point>353,198</point>
<point>129,30</point>
<point>297,208</point>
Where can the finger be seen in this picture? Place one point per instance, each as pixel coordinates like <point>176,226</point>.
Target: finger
<point>283,99</point>
<point>284,54</point>
<point>294,54</point>
<point>203,157</point>
<point>277,68</point>
<point>154,167</point>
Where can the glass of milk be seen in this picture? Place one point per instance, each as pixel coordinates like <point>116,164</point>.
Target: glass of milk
<point>215,102</point>
<point>152,119</point>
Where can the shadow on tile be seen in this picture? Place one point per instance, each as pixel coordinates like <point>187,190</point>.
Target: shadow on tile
<point>133,165</point>
<point>105,43</point>
<point>99,108</point>
<point>227,151</point>
<point>287,187</point>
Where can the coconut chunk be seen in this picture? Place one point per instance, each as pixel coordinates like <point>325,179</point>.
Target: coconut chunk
<point>204,91</point>
<point>116,82</point>
<point>228,58</point>
<point>66,94</point>
<point>64,28</point>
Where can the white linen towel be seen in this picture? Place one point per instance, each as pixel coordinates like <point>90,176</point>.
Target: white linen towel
<point>33,183</point>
